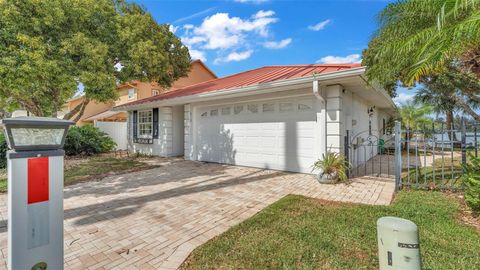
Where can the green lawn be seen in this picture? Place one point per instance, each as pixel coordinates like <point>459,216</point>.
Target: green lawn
<point>302,233</point>
<point>96,168</point>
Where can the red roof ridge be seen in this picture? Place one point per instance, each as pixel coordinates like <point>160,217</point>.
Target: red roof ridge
<point>318,65</point>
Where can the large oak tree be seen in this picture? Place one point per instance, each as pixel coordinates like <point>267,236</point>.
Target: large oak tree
<point>49,47</point>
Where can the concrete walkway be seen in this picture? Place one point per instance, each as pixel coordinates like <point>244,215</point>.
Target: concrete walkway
<point>153,219</point>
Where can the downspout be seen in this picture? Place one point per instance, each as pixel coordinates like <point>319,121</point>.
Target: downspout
<point>316,92</point>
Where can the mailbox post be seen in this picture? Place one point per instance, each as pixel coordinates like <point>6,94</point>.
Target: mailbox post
<point>35,191</point>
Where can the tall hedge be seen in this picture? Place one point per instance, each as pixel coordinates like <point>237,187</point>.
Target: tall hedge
<point>87,140</point>
<point>471,178</point>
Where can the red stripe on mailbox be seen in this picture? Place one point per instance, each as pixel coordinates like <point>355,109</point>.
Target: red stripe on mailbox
<point>37,180</point>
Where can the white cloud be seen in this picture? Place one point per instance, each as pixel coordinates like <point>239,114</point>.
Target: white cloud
<point>403,98</point>
<point>234,56</point>
<point>192,40</point>
<point>251,1</point>
<point>231,38</point>
<point>172,28</point>
<point>352,58</point>
<point>319,26</point>
<point>277,44</point>
<point>220,31</point>
<point>263,14</point>
<point>196,54</point>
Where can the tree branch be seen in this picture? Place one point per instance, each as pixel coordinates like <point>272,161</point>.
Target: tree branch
<point>78,110</point>
<point>465,107</point>
<point>82,110</point>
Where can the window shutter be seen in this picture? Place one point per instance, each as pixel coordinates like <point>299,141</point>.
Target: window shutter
<point>155,123</point>
<point>135,126</point>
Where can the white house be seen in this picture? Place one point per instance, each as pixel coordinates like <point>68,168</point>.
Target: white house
<point>277,117</point>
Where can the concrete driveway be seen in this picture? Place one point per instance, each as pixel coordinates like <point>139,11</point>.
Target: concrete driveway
<point>153,219</point>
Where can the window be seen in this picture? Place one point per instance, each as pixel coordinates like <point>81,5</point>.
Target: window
<point>268,107</point>
<point>132,93</point>
<point>155,92</point>
<point>253,108</point>
<point>286,107</point>
<point>214,112</point>
<point>237,109</point>
<point>226,111</point>
<point>145,124</point>
<point>303,107</point>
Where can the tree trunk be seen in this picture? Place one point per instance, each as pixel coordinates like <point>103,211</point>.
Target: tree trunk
<point>466,107</point>
<point>451,135</point>
<point>78,110</point>
<point>82,110</point>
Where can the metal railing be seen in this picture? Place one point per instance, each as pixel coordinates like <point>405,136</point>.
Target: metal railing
<point>433,157</point>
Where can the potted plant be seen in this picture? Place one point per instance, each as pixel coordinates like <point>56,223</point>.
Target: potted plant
<point>333,168</point>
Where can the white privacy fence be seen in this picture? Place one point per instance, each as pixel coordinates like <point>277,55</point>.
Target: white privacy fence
<point>116,130</point>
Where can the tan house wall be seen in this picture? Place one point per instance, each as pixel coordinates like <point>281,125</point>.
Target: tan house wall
<point>198,73</point>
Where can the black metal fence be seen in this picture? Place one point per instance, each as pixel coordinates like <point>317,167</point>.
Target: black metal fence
<point>426,157</point>
<point>370,154</point>
<point>433,157</point>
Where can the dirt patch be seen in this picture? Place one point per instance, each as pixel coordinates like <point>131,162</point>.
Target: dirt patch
<point>466,215</point>
<point>71,162</point>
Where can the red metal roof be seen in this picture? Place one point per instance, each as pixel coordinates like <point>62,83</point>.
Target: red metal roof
<point>249,78</point>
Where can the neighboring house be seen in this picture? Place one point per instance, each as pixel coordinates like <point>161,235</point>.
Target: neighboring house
<point>277,117</point>
<point>114,122</point>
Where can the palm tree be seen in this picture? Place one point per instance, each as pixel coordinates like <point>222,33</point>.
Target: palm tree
<point>438,96</point>
<point>413,116</point>
<point>419,38</point>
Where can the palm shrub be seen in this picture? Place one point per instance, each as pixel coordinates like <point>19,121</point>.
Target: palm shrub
<point>87,140</point>
<point>471,178</point>
<point>332,164</point>
<point>3,151</point>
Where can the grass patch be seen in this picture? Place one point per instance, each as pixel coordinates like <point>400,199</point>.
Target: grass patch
<point>96,168</point>
<point>302,233</point>
<point>99,167</point>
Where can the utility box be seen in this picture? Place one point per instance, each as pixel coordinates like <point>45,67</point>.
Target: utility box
<point>398,245</point>
<point>35,192</point>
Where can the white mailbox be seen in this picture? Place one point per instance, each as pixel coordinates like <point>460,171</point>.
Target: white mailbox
<point>35,192</point>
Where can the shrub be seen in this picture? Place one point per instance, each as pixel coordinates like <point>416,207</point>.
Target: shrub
<point>3,151</point>
<point>471,179</point>
<point>333,165</point>
<point>87,140</point>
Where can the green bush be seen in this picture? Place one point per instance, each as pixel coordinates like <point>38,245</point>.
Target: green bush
<point>3,151</point>
<point>87,140</point>
<point>472,183</point>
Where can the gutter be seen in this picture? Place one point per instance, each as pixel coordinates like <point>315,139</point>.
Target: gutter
<point>262,88</point>
<point>381,91</point>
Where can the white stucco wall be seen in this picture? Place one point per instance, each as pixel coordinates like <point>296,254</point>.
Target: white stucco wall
<point>166,145</point>
<point>357,122</point>
<point>177,131</point>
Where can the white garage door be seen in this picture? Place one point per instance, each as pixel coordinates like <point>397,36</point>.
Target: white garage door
<point>273,134</point>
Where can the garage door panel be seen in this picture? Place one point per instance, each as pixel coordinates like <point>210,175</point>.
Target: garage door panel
<point>283,141</point>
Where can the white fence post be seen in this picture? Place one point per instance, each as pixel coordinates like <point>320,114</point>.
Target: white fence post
<point>398,155</point>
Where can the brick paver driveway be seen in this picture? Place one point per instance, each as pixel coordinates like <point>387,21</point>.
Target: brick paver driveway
<point>153,219</point>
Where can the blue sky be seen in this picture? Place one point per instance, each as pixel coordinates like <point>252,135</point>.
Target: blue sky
<point>236,35</point>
